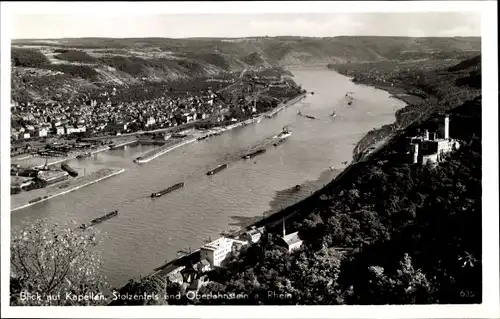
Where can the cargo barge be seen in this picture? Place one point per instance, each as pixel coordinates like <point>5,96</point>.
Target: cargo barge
<point>253,154</point>
<point>68,169</point>
<point>99,220</point>
<point>285,132</point>
<point>305,115</point>
<point>168,190</point>
<point>217,169</point>
<point>279,142</point>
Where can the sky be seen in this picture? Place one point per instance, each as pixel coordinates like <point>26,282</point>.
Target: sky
<point>413,24</point>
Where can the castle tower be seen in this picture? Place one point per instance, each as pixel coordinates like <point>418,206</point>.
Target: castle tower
<point>444,128</point>
<point>414,153</point>
<point>284,230</point>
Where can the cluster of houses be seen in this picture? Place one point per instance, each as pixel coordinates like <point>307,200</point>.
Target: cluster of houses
<point>109,113</point>
<point>218,253</point>
<point>51,118</point>
<point>431,147</point>
<point>23,178</point>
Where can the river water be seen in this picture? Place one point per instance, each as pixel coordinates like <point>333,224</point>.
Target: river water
<point>147,232</point>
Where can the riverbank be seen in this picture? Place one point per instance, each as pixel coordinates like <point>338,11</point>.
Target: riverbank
<point>151,155</point>
<point>75,154</point>
<point>26,199</point>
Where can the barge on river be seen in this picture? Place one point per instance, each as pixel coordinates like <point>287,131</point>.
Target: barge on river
<point>168,190</point>
<point>217,169</point>
<point>68,169</point>
<point>285,132</point>
<point>99,220</point>
<point>279,142</point>
<point>253,154</point>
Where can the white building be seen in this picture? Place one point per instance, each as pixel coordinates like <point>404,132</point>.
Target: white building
<point>219,250</point>
<point>254,235</point>
<point>431,148</point>
<point>60,130</point>
<point>42,132</point>
<point>51,177</point>
<point>292,241</point>
<point>150,121</point>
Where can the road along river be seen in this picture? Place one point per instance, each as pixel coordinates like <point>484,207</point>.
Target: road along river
<point>147,231</point>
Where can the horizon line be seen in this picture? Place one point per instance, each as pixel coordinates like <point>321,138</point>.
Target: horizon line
<point>251,37</point>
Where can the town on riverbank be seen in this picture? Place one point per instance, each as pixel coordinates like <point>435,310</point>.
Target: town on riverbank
<point>60,131</point>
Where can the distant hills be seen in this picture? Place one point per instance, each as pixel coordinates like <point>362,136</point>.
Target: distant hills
<point>129,61</point>
<point>283,50</point>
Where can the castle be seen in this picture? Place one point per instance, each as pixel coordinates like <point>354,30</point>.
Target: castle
<point>431,147</point>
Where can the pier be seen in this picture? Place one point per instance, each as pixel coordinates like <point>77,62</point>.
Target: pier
<point>161,150</point>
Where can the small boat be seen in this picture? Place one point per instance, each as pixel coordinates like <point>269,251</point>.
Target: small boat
<point>285,132</point>
<point>310,117</point>
<point>217,169</point>
<point>349,103</point>
<point>99,220</point>
<point>332,168</point>
<point>297,187</point>
<point>333,114</point>
<point>312,93</point>
<point>168,190</point>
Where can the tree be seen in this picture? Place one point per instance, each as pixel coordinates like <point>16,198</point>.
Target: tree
<point>406,286</point>
<point>57,265</point>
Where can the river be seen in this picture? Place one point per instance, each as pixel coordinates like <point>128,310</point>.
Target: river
<point>147,232</point>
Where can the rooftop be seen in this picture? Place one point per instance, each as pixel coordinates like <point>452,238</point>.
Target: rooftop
<point>216,244</point>
<point>205,262</point>
<point>292,238</point>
